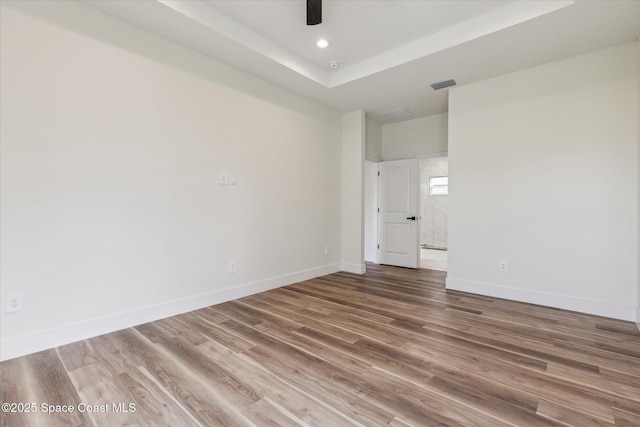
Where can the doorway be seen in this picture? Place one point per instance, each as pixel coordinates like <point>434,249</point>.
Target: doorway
<point>434,190</point>
<point>433,212</point>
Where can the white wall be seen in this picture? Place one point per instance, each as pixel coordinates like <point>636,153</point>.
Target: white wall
<point>112,141</point>
<point>353,142</point>
<point>638,292</point>
<point>544,174</point>
<point>415,138</point>
<point>373,140</point>
<point>371,211</point>
<point>433,209</point>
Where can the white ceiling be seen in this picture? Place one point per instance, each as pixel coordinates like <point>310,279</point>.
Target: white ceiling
<point>389,51</point>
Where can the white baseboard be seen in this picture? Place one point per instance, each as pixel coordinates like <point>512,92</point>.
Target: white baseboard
<point>354,268</point>
<point>598,308</point>
<point>638,317</point>
<point>43,340</point>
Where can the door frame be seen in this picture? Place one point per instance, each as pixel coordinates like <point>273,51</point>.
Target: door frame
<point>371,211</point>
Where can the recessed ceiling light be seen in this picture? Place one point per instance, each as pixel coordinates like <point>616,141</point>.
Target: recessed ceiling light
<point>322,43</point>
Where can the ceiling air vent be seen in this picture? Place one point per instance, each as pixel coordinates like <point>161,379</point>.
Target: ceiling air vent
<point>443,84</point>
<point>400,113</point>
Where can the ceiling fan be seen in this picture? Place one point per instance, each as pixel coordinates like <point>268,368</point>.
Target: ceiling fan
<point>314,12</point>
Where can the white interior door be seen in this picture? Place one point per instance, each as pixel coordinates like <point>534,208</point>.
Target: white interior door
<point>398,217</point>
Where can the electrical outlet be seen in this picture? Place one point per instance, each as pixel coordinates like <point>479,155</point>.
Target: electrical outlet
<point>14,302</point>
<point>327,250</point>
<point>502,265</point>
<point>224,178</point>
<point>232,266</point>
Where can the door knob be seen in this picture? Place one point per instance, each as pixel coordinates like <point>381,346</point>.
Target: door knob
<point>412,218</point>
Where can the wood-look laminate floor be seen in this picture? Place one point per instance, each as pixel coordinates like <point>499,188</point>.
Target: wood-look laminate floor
<point>391,347</point>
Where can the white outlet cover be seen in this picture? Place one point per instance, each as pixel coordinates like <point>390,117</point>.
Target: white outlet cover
<point>223,178</point>
<point>14,302</point>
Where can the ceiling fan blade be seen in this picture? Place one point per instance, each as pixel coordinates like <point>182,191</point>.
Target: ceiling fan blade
<point>314,12</point>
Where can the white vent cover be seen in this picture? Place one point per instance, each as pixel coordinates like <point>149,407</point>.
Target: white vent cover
<point>400,113</point>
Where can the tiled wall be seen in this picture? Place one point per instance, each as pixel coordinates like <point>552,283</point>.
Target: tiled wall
<point>433,209</point>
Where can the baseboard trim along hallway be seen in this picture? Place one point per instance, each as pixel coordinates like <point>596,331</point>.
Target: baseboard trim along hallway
<point>597,308</point>
<point>26,344</point>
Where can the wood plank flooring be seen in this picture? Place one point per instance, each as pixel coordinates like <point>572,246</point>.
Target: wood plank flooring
<point>390,348</point>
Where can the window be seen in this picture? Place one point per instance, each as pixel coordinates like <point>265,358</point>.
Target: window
<point>439,185</point>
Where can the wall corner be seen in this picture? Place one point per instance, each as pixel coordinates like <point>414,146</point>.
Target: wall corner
<point>353,155</point>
